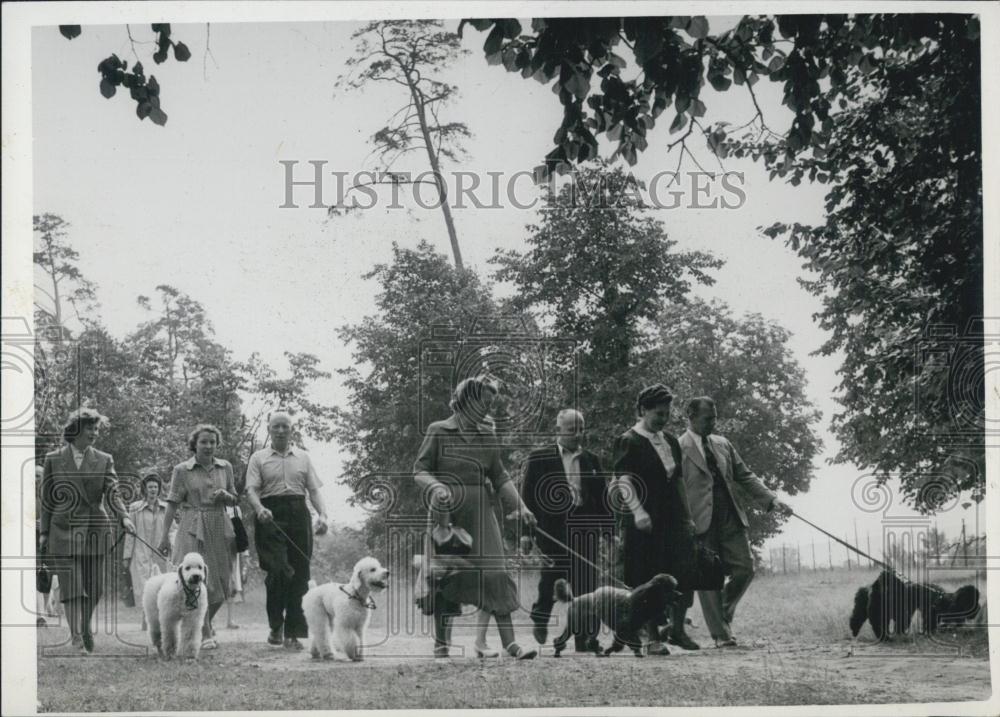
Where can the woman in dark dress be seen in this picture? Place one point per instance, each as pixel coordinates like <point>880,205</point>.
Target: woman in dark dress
<point>658,530</point>
<point>76,532</point>
<point>459,457</point>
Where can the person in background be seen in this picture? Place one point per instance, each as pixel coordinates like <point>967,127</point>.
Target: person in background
<point>278,480</point>
<point>148,515</point>
<point>201,487</point>
<point>76,532</point>
<point>239,573</point>
<point>711,466</point>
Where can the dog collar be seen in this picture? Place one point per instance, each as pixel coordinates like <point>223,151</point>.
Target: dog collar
<point>370,604</point>
<point>191,596</point>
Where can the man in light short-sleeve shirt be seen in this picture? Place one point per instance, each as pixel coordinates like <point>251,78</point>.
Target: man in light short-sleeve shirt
<point>278,480</point>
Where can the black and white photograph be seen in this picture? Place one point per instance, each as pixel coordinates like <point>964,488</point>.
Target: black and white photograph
<point>521,356</point>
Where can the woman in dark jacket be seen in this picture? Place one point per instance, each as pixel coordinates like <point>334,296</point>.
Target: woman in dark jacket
<point>658,530</point>
<point>77,534</point>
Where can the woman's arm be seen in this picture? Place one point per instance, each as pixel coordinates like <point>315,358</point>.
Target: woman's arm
<point>424,468</point>
<point>625,470</point>
<point>111,490</point>
<point>168,521</point>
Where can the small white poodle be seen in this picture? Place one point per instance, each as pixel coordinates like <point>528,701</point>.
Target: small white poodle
<point>337,614</point>
<point>177,602</point>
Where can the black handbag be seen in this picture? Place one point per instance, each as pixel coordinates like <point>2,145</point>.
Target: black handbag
<point>242,539</point>
<point>707,571</point>
<point>43,577</point>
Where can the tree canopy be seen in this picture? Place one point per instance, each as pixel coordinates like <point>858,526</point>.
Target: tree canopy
<point>885,111</point>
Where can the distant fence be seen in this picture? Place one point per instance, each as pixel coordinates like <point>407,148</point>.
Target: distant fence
<point>928,550</point>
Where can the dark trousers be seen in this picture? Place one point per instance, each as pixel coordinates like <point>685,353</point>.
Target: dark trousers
<point>284,547</point>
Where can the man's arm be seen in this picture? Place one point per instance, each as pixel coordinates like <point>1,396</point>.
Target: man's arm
<point>312,486</point>
<point>253,490</point>
<point>749,481</point>
<point>532,468</point>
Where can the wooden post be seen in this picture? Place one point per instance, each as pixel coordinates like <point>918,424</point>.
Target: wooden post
<point>868,539</point>
<point>812,546</point>
<point>848,557</point>
<point>856,541</point>
<point>965,546</point>
<point>829,551</point>
<point>784,565</point>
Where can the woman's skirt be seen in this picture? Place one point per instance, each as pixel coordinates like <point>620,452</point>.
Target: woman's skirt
<point>484,580</point>
<point>208,532</point>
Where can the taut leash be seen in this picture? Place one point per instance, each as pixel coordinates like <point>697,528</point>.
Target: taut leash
<point>582,558</point>
<point>845,544</point>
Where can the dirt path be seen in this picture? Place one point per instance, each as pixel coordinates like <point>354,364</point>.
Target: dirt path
<point>761,673</point>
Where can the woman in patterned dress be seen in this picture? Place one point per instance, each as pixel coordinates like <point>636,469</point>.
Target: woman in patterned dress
<point>458,456</point>
<point>203,486</point>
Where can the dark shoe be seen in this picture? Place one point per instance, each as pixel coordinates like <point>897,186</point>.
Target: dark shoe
<point>683,640</point>
<point>728,642</point>
<point>88,642</point>
<point>657,648</point>
<point>540,633</point>
<point>275,637</point>
<point>292,643</point>
<point>40,622</point>
<point>440,651</point>
<point>77,641</point>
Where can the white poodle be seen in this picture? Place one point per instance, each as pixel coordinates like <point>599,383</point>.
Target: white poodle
<point>177,601</point>
<point>341,611</point>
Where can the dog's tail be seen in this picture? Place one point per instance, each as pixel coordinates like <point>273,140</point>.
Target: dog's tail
<point>860,614</point>
<point>562,592</point>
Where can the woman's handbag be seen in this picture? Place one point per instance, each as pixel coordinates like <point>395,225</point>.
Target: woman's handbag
<point>707,571</point>
<point>43,577</point>
<point>240,532</point>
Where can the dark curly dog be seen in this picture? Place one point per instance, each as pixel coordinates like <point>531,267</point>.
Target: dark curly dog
<point>890,602</point>
<point>625,612</point>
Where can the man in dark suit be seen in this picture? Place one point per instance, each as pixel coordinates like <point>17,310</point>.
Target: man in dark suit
<point>711,466</point>
<point>566,490</point>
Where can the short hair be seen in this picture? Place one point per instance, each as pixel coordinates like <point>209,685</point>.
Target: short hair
<point>566,412</point>
<point>653,396</point>
<point>203,428</point>
<point>695,404</point>
<point>278,413</point>
<point>471,389</point>
<point>150,476</point>
<point>79,419</point>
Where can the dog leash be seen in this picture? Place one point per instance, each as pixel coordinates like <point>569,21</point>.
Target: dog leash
<point>847,545</point>
<point>582,558</point>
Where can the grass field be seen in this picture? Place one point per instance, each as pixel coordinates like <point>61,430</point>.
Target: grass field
<point>796,650</point>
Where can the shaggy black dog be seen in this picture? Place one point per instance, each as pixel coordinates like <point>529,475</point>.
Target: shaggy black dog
<point>625,612</point>
<point>889,605</point>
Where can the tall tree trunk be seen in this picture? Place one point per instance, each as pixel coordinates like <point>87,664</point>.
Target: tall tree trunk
<point>418,102</point>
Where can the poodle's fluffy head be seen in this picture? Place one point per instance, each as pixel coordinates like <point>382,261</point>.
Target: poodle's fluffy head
<point>369,575</point>
<point>653,596</point>
<point>193,571</point>
<point>963,604</point>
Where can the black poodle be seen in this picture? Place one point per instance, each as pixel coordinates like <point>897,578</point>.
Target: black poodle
<point>890,602</point>
<point>625,612</point>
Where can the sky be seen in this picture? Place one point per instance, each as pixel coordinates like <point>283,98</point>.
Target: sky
<point>195,204</point>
